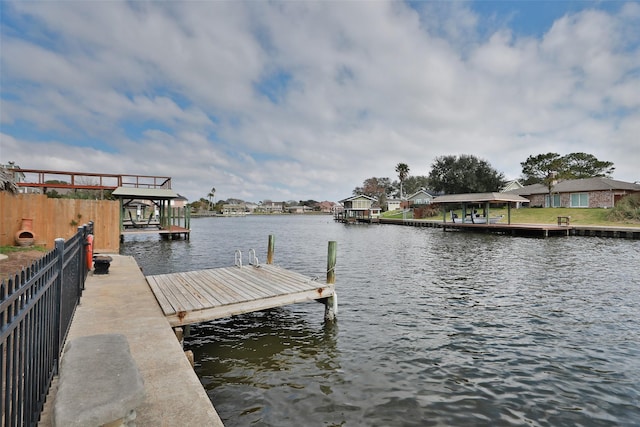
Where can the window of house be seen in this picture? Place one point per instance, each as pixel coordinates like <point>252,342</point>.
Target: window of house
<point>361,204</point>
<point>554,202</point>
<point>580,200</point>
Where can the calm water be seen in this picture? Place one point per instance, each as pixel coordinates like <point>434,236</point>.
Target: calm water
<point>447,329</point>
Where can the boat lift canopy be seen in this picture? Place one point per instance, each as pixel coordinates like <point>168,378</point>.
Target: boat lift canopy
<point>161,197</point>
<point>484,199</point>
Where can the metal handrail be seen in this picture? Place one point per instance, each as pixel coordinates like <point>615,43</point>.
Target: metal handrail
<point>238,258</point>
<point>253,259</point>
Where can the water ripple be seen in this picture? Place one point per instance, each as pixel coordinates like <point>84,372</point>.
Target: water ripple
<point>434,329</point>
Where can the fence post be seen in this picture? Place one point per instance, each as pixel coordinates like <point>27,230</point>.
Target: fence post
<point>83,230</point>
<point>59,248</point>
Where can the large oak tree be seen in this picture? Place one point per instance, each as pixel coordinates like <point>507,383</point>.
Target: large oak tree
<point>464,174</point>
<point>549,167</point>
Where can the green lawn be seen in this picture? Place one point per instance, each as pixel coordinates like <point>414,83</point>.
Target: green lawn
<point>579,216</point>
<point>8,249</point>
<point>397,215</point>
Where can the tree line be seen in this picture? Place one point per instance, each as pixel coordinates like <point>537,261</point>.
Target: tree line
<point>465,173</point>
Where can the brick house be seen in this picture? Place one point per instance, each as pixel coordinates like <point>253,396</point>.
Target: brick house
<point>578,193</point>
<point>327,207</point>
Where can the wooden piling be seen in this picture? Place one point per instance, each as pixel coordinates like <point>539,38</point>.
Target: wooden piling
<point>331,263</point>
<point>331,303</point>
<point>271,248</point>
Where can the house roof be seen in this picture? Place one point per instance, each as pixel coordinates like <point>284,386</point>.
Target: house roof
<point>529,189</point>
<point>479,198</point>
<point>358,196</point>
<point>421,191</point>
<point>509,185</point>
<point>594,184</point>
<point>144,193</point>
<point>578,185</point>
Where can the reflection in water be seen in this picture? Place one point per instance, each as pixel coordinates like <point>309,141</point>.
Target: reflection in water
<point>448,329</point>
<point>243,354</point>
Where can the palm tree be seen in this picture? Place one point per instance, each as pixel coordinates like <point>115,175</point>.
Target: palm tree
<point>211,195</point>
<point>403,172</point>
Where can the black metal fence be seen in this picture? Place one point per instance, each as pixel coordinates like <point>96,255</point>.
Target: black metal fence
<point>36,308</point>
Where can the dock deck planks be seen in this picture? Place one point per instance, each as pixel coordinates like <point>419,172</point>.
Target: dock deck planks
<point>544,230</point>
<point>198,296</point>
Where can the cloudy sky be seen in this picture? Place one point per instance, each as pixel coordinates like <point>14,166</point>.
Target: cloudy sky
<point>305,100</point>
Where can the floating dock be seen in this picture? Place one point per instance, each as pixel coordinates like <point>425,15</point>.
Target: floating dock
<point>199,296</point>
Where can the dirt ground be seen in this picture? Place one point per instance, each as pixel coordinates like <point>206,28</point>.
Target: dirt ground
<point>17,261</point>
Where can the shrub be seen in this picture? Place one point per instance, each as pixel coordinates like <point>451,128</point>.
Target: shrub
<point>426,211</point>
<point>627,209</point>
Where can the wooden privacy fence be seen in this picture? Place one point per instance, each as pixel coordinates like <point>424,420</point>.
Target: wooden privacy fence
<point>53,218</point>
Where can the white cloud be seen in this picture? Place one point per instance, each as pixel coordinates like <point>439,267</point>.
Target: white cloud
<point>168,88</point>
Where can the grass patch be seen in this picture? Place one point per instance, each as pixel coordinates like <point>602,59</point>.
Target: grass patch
<point>579,216</point>
<point>397,214</point>
<point>12,249</point>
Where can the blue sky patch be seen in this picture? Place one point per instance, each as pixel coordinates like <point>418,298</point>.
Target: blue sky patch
<point>534,18</point>
<point>274,86</point>
<point>135,130</point>
<point>23,130</point>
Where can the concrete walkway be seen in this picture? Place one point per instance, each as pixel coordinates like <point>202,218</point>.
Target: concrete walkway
<point>122,302</point>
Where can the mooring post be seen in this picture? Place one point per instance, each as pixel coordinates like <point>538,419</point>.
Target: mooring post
<point>271,248</point>
<point>331,303</point>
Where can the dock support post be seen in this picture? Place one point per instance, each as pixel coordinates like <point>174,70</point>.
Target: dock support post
<point>271,248</point>
<point>331,303</point>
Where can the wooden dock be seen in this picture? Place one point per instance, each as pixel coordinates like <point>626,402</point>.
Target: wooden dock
<point>198,296</point>
<point>172,232</point>
<point>543,230</point>
<point>539,230</point>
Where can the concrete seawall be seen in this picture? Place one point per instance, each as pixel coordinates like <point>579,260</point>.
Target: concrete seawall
<point>122,302</point>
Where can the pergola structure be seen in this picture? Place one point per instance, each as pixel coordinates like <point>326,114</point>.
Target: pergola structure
<point>45,179</point>
<point>470,201</point>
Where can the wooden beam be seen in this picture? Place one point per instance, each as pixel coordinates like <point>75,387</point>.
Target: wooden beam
<point>188,317</point>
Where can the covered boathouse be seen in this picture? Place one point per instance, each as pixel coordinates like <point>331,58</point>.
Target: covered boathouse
<point>167,220</point>
<point>476,215</point>
<point>471,202</point>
